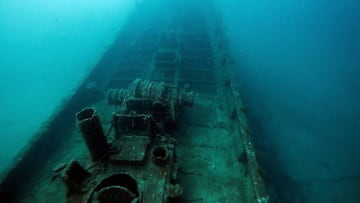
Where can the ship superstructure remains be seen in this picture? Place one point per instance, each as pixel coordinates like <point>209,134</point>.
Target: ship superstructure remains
<point>158,120</point>
<point>136,160</point>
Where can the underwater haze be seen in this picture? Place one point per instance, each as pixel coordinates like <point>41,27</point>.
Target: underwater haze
<point>298,67</point>
<point>46,49</point>
<point>297,64</point>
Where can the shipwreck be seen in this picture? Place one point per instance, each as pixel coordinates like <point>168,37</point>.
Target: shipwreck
<point>159,119</point>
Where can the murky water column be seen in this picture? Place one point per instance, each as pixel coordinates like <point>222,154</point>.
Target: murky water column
<point>297,64</point>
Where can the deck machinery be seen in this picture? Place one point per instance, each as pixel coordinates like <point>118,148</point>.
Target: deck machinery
<point>157,120</point>
<point>137,161</point>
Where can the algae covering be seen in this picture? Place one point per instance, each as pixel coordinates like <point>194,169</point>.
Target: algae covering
<point>159,118</point>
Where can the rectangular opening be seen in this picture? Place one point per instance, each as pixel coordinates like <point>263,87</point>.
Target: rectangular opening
<point>196,43</point>
<point>168,40</point>
<point>197,75</point>
<point>196,63</point>
<point>196,53</point>
<point>166,56</point>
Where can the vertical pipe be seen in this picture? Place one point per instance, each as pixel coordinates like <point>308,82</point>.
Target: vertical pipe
<point>89,124</point>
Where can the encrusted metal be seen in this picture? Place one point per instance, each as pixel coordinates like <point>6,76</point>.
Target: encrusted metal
<point>157,98</point>
<point>140,146</point>
<point>89,124</point>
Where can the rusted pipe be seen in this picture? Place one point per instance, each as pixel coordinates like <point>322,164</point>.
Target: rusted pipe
<point>92,132</point>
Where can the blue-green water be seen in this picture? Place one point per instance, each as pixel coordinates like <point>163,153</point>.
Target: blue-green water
<point>46,49</point>
<point>297,64</point>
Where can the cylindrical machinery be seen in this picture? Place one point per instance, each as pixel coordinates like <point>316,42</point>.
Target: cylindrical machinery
<point>159,99</point>
<point>139,89</point>
<point>116,96</point>
<point>159,155</point>
<point>153,91</point>
<point>120,187</point>
<point>89,123</point>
